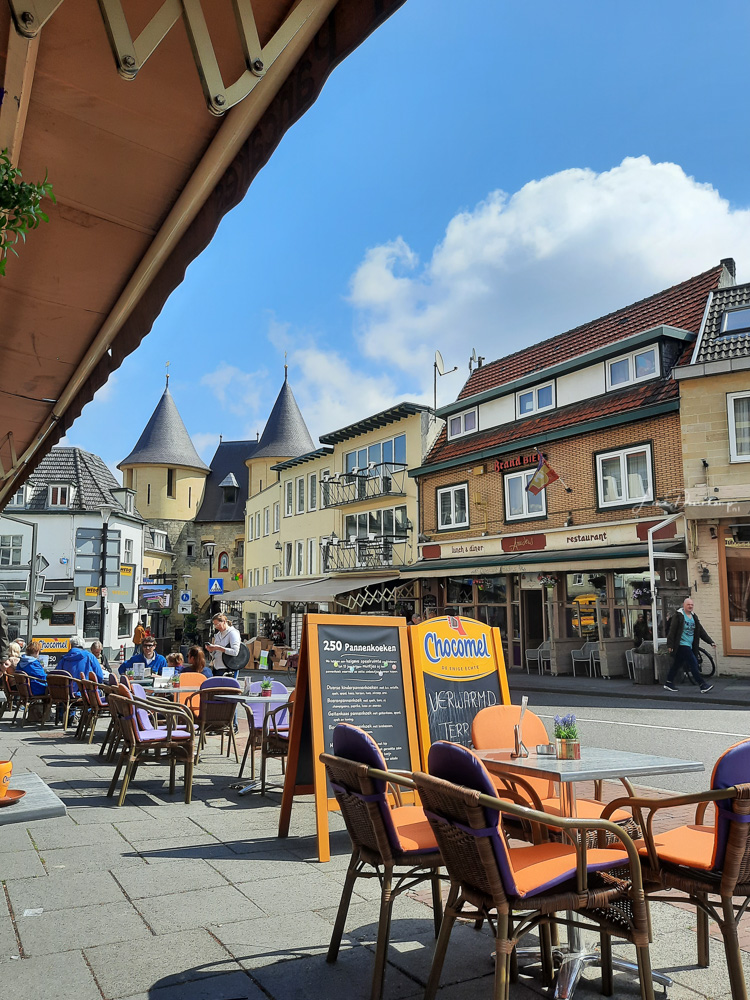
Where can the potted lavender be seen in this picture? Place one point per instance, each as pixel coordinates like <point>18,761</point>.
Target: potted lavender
<point>566,737</point>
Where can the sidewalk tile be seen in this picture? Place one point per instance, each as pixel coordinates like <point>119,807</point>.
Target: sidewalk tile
<point>264,941</point>
<point>153,881</point>
<point>54,977</point>
<point>166,914</point>
<point>20,864</point>
<point>59,892</point>
<point>81,927</point>
<point>232,986</point>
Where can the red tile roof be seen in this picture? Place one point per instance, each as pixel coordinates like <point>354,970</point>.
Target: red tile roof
<point>624,401</point>
<point>681,306</point>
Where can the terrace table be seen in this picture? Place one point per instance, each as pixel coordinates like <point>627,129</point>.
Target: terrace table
<point>39,802</point>
<point>248,700</point>
<point>595,764</point>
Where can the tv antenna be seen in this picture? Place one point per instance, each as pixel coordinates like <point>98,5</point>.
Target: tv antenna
<point>439,369</point>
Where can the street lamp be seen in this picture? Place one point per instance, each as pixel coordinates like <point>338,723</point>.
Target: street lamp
<point>105,510</point>
<point>208,551</point>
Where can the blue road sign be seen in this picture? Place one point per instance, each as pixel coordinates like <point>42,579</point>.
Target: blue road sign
<point>215,585</point>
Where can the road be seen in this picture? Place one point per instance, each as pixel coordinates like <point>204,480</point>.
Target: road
<point>687,730</point>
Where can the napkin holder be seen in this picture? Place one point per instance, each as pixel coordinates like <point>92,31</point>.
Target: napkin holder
<point>519,748</point>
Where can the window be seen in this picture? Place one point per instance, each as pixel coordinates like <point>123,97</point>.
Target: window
<point>390,522</point>
<point>541,397</point>
<point>240,550</point>
<point>519,503</point>
<point>257,524</point>
<point>738,404</point>
<point>59,496</point>
<point>276,571</point>
<point>171,477</point>
<point>301,495</point>
<point>230,494</point>
<point>325,489</point>
<point>276,516</point>
<point>129,503</point>
<point>738,575</point>
<point>190,550</point>
<point>148,494</point>
<point>462,423</point>
<point>123,622</point>
<point>127,555</point>
<point>735,321</point>
<point>160,539</point>
<point>288,498</point>
<point>287,558</point>
<point>10,550</point>
<point>311,550</point>
<point>19,498</point>
<point>265,574</point>
<point>312,491</point>
<point>266,520</point>
<point>635,367</point>
<point>256,577</point>
<point>250,527</point>
<point>300,557</point>
<point>624,476</point>
<point>453,507</point>
<point>385,453</point>
<point>190,497</point>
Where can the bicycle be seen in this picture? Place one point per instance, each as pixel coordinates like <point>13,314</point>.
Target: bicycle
<point>706,665</point>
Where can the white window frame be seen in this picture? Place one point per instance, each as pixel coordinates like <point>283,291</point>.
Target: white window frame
<point>288,559</point>
<point>453,490</point>
<point>325,474</point>
<point>312,491</point>
<point>250,527</point>
<point>276,571</point>
<point>534,390</point>
<point>277,517</point>
<point>630,358</point>
<point>257,524</point>
<point>622,454</point>
<point>256,576</point>
<point>289,498</point>
<point>19,497</point>
<point>265,574</point>
<point>299,557</point>
<point>462,416</point>
<point>57,502</point>
<point>160,540</point>
<point>312,545</point>
<point>299,493</point>
<point>127,550</point>
<point>266,521</point>
<point>740,330</point>
<point>11,544</point>
<point>733,455</point>
<point>524,475</point>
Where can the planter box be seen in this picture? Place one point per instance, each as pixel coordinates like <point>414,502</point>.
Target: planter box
<point>643,668</point>
<point>663,661</point>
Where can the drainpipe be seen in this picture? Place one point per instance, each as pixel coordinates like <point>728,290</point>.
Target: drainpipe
<point>651,532</point>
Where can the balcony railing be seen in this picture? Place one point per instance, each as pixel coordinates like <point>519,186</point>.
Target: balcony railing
<point>363,553</point>
<point>384,480</point>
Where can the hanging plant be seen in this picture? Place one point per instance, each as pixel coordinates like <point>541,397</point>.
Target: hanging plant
<point>46,612</point>
<point>20,207</point>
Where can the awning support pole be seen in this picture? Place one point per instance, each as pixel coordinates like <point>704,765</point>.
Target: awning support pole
<point>652,573</point>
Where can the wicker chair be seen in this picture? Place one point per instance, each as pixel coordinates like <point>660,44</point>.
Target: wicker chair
<point>26,699</point>
<point>59,684</point>
<point>95,705</point>
<point>275,739</point>
<point>215,715</point>
<point>704,861</point>
<point>492,728</point>
<point>170,744</point>
<point>527,887</point>
<point>383,838</point>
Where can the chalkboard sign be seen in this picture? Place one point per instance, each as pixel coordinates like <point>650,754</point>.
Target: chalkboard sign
<point>63,618</point>
<point>459,669</point>
<point>351,669</point>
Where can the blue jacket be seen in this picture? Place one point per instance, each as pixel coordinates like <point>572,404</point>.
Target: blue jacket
<point>79,662</point>
<point>34,669</point>
<point>157,664</point>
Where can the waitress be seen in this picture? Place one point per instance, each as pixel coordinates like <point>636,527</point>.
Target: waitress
<point>226,640</point>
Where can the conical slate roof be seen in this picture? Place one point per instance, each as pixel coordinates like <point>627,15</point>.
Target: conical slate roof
<point>165,440</point>
<point>286,434</point>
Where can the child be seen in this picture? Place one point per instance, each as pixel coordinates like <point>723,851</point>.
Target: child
<point>177,661</point>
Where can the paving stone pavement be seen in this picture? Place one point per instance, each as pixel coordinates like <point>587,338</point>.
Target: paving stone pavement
<point>158,900</point>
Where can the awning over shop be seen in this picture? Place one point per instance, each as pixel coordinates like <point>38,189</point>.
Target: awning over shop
<point>324,590</point>
<point>626,557</point>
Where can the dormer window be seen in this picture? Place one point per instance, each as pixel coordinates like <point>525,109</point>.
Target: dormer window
<point>59,495</point>
<point>635,367</point>
<point>19,498</point>
<point>541,397</point>
<point>230,494</point>
<point>735,321</point>
<point>160,539</point>
<point>462,423</point>
<point>129,503</point>
<point>230,488</point>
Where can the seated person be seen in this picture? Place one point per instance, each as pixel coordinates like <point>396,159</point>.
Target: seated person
<point>29,664</point>
<point>197,662</point>
<point>14,655</point>
<point>79,661</point>
<point>98,650</point>
<point>148,655</point>
<point>176,660</point>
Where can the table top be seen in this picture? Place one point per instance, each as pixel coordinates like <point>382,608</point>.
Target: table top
<point>254,699</point>
<point>39,802</point>
<point>595,763</point>
<point>168,689</point>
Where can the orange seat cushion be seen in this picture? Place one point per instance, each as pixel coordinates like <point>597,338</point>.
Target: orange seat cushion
<point>692,846</point>
<point>541,864</point>
<point>413,829</point>
<point>586,809</point>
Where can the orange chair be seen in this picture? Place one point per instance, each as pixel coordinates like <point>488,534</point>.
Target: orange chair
<point>493,728</point>
<point>704,861</point>
<point>190,699</point>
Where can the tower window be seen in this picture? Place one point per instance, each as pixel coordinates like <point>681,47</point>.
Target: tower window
<point>170,482</point>
<point>148,493</point>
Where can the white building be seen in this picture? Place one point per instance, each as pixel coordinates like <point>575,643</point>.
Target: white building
<point>62,505</point>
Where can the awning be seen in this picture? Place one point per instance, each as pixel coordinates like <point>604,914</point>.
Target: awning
<point>626,556</point>
<point>324,590</point>
<point>144,165</point>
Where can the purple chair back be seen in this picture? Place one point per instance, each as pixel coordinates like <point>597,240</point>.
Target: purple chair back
<point>143,720</point>
<point>259,712</point>
<point>220,682</point>
<point>732,768</point>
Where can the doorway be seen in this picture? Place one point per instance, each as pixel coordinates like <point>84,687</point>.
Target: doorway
<point>533,618</point>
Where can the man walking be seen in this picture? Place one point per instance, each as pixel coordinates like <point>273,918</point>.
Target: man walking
<point>685,633</point>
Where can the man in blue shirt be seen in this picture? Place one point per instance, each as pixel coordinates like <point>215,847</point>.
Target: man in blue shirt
<point>685,634</point>
<point>147,656</point>
<point>79,662</point>
<point>30,665</point>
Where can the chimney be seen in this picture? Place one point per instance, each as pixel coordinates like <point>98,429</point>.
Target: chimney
<point>730,266</point>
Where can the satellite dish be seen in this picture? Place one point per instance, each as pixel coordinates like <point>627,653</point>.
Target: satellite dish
<point>472,359</point>
<point>439,363</point>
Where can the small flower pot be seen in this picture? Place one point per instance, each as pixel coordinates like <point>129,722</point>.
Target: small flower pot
<point>568,749</point>
<point>265,692</point>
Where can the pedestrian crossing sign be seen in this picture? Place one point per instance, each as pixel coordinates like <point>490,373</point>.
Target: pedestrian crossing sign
<point>215,586</point>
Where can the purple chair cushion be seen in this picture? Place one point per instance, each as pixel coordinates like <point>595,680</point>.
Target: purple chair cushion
<point>161,734</point>
<point>220,682</point>
<point>143,720</point>
<point>732,768</point>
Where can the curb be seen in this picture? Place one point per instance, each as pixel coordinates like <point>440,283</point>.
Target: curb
<point>651,692</point>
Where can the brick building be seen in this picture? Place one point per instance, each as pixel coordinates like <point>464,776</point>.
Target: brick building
<point>571,562</point>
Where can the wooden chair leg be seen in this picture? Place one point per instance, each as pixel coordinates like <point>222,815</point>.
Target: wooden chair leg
<point>644,973</point>
<point>545,953</point>
<point>126,780</point>
<point>107,737</point>
<point>346,896</point>
<point>607,972</point>
<point>502,964</point>
<point>384,934</point>
<point>732,950</point>
<point>702,934</point>
<point>67,716</point>
<point>172,766</point>
<point>188,779</point>
<point>441,947</point>
<point>248,747</point>
<point>437,900</point>
<point>232,740</point>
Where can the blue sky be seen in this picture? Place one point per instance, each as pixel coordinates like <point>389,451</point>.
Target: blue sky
<point>483,174</point>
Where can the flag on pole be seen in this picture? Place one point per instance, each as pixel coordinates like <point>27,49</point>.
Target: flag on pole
<point>543,476</point>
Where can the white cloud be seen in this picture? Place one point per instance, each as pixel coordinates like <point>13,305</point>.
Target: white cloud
<point>236,390</point>
<point>561,251</point>
<point>205,443</point>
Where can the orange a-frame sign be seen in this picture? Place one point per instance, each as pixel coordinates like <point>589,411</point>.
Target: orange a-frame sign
<point>459,669</point>
<point>352,668</point>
